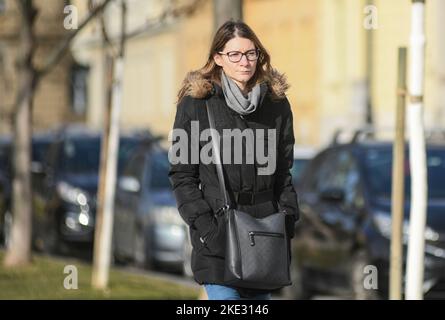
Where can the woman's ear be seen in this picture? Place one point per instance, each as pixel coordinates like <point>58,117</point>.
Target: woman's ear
<point>217,59</point>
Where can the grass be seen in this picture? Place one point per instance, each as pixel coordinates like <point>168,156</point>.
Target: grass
<point>45,277</point>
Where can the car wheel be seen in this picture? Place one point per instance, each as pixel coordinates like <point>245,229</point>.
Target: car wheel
<point>52,244</point>
<point>116,259</point>
<point>297,290</point>
<point>7,228</point>
<point>358,278</point>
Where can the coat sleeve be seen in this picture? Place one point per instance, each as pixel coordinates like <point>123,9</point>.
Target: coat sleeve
<point>284,189</point>
<point>184,177</point>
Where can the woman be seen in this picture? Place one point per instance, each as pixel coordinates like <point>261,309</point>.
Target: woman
<point>244,92</point>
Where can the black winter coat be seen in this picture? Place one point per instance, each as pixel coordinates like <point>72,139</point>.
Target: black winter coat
<point>196,185</point>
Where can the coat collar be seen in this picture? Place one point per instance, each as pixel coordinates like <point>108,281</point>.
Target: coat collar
<point>218,92</point>
<point>199,87</point>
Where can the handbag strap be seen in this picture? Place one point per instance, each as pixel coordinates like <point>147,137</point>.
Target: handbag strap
<point>218,162</point>
<point>217,156</point>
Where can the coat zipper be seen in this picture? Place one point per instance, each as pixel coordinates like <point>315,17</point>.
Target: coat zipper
<point>254,162</point>
<point>252,235</point>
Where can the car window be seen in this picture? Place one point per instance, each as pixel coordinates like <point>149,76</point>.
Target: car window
<point>340,171</point>
<point>80,155</point>
<point>321,167</point>
<point>135,167</point>
<point>345,176</point>
<point>159,168</point>
<point>297,169</point>
<point>127,146</point>
<point>378,172</point>
<point>5,151</point>
<point>310,175</point>
<point>39,150</point>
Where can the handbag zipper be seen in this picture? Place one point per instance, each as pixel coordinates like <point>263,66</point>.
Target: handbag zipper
<point>252,235</point>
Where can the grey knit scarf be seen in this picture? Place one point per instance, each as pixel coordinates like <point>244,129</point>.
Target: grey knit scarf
<point>235,98</point>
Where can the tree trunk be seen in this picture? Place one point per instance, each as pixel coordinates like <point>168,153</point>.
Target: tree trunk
<point>398,186</point>
<point>369,44</point>
<point>224,10</point>
<point>109,158</point>
<point>19,251</point>
<point>417,155</point>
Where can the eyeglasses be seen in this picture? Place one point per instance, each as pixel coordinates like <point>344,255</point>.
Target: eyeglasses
<point>236,56</point>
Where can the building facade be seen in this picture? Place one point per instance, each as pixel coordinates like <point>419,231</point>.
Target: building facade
<point>340,57</point>
<point>54,97</point>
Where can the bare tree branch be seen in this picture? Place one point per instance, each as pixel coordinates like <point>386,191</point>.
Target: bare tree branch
<point>106,38</point>
<point>19,251</point>
<point>123,28</point>
<point>114,51</point>
<point>29,13</point>
<point>154,24</point>
<point>169,12</point>
<point>60,50</point>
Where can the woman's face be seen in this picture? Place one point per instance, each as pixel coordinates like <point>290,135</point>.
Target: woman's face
<point>240,71</point>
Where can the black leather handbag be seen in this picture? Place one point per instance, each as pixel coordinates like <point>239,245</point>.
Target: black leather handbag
<point>257,249</point>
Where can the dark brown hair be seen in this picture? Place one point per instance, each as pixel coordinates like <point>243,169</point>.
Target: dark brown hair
<point>229,30</point>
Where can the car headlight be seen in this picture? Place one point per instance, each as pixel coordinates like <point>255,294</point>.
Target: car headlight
<point>74,220</point>
<point>167,215</point>
<point>72,194</point>
<point>384,224</point>
<point>85,219</point>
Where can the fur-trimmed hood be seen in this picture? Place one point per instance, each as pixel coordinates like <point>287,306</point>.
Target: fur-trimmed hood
<point>196,86</point>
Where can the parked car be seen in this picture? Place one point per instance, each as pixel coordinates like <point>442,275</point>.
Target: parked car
<point>345,202</point>
<point>65,189</point>
<point>39,145</point>
<point>148,228</point>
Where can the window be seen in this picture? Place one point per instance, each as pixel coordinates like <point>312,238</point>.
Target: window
<point>2,78</point>
<point>79,88</point>
<point>2,6</point>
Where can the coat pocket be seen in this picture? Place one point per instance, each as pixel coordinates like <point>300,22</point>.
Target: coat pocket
<point>197,244</point>
<point>216,242</point>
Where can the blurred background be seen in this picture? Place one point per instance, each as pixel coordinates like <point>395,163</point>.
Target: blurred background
<point>340,58</point>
